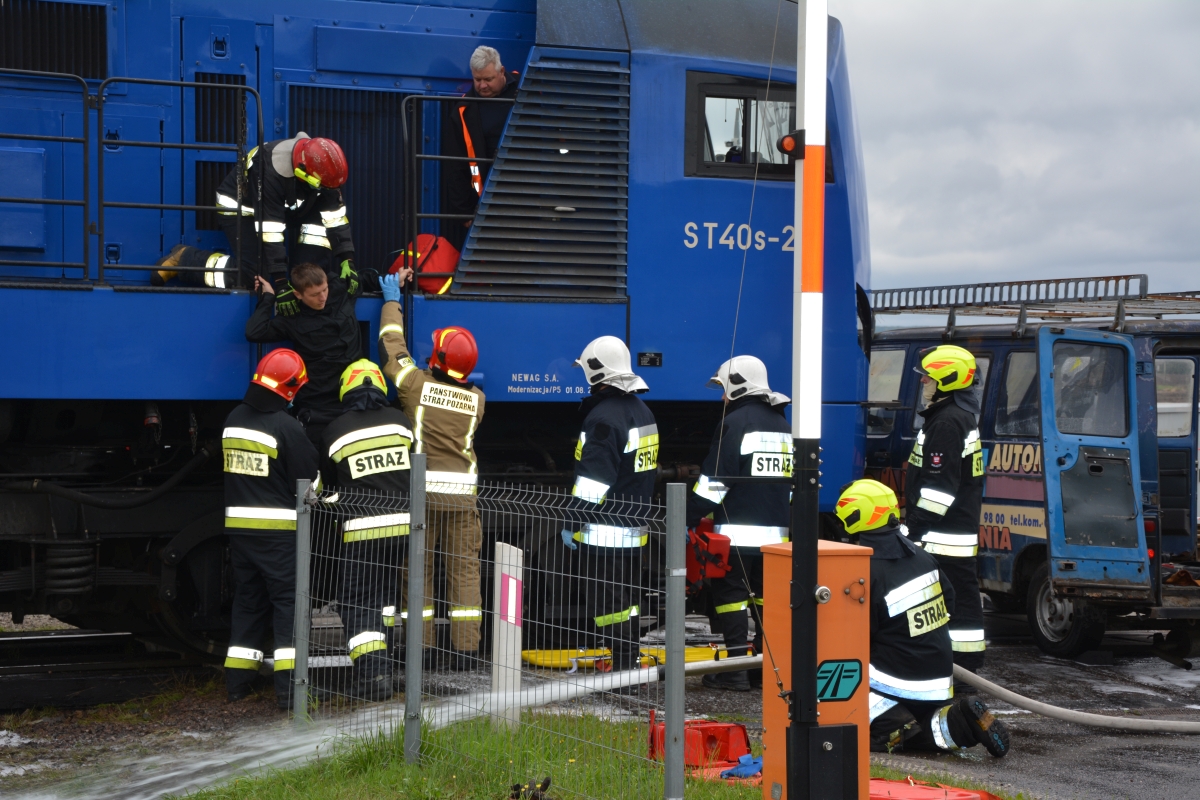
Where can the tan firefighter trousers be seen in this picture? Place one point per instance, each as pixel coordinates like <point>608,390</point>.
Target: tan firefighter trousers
<point>452,529</point>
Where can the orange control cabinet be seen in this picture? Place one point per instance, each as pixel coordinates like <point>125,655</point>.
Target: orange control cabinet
<point>843,651</point>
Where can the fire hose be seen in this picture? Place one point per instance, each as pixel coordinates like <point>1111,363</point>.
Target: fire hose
<point>1012,698</point>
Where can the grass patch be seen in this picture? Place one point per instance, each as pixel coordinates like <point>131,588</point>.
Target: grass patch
<point>891,774</point>
<point>583,755</point>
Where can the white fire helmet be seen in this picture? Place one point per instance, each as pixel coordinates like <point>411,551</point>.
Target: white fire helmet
<point>606,360</point>
<point>745,376</point>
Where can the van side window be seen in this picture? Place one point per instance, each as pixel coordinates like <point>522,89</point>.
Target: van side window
<point>1174,382</point>
<point>1091,394</point>
<point>1019,405</point>
<point>883,386</point>
<point>981,372</point>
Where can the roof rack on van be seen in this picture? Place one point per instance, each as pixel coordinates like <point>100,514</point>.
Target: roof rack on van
<point>1114,297</point>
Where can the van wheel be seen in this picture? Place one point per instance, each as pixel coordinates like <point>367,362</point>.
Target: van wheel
<point>1062,628</point>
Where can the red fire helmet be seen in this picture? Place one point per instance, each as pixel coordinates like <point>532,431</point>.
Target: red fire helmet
<point>320,162</point>
<point>282,371</point>
<point>454,352</point>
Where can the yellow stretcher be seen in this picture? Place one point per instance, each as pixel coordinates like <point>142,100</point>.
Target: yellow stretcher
<point>600,659</point>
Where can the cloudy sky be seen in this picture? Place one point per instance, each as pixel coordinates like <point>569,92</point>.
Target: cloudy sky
<point>1011,140</point>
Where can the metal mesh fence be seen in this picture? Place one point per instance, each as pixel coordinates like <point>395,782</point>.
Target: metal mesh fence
<point>542,638</point>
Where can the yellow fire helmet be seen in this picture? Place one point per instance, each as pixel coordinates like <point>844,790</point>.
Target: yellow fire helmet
<point>950,366</point>
<point>867,505</point>
<point>361,373</point>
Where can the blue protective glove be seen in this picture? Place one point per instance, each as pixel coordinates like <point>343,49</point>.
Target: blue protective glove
<point>390,286</point>
<point>748,766</point>
<point>568,538</point>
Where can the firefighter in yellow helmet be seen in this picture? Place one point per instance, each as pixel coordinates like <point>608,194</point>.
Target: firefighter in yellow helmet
<point>367,448</point>
<point>944,489</point>
<point>912,705</point>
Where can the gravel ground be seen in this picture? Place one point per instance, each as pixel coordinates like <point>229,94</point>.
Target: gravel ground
<point>192,724</point>
<point>1062,761</point>
<point>32,622</point>
<point>39,747</point>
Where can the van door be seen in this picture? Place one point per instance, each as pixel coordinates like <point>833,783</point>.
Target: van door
<point>1175,390</point>
<point>1093,480</point>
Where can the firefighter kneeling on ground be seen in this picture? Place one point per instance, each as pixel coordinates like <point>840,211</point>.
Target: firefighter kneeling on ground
<point>266,452</point>
<point>912,705</point>
<point>944,491</point>
<point>446,409</point>
<point>367,447</point>
<point>753,440</point>
<point>616,466</point>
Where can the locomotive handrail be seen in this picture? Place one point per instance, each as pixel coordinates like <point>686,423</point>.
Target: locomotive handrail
<point>239,147</point>
<point>411,225</point>
<point>84,140</point>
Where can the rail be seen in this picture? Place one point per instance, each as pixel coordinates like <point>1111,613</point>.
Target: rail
<point>84,140</point>
<point>412,121</point>
<point>239,148</point>
<point>1115,297</point>
<point>1001,297</point>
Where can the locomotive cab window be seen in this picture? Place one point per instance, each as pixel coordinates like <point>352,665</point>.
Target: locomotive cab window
<point>733,124</point>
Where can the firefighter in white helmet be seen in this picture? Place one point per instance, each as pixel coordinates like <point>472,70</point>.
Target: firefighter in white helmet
<point>753,440</point>
<point>616,466</point>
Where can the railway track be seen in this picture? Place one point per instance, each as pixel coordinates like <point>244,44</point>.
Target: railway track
<point>78,668</point>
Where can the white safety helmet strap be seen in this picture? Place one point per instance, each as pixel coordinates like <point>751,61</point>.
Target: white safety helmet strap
<point>606,360</point>
<point>745,376</point>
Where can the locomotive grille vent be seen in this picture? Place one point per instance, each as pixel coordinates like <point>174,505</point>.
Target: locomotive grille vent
<point>367,125</point>
<point>216,109</point>
<point>209,175</point>
<point>553,219</point>
<point>54,37</point>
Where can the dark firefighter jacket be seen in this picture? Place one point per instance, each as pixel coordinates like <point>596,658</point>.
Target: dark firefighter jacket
<point>616,465</point>
<point>944,485</point>
<point>265,453</point>
<point>292,211</point>
<point>484,126</point>
<point>369,450</point>
<point>911,657</point>
<point>328,340</point>
<point>754,440</point>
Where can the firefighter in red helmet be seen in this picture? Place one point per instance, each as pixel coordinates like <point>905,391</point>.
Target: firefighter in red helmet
<point>266,452</point>
<point>446,409</point>
<point>300,215</point>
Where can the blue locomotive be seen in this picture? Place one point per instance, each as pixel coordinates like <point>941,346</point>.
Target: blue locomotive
<point>665,218</point>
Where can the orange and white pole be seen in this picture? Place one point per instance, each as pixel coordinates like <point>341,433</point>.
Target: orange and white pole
<point>807,313</point>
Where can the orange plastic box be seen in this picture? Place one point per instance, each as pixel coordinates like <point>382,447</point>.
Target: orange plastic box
<point>705,743</point>
<point>843,646</point>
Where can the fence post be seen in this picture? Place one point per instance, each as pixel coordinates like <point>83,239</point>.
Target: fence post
<point>303,624</point>
<point>506,636</point>
<point>676,589</point>
<point>414,624</point>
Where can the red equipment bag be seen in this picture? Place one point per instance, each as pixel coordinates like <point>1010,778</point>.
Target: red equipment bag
<point>707,555</point>
<point>434,254</point>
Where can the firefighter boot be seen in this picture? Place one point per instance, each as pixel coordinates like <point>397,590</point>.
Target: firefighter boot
<point>985,728</point>
<point>172,259</point>
<point>464,660</point>
<point>730,681</point>
<point>373,687</point>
